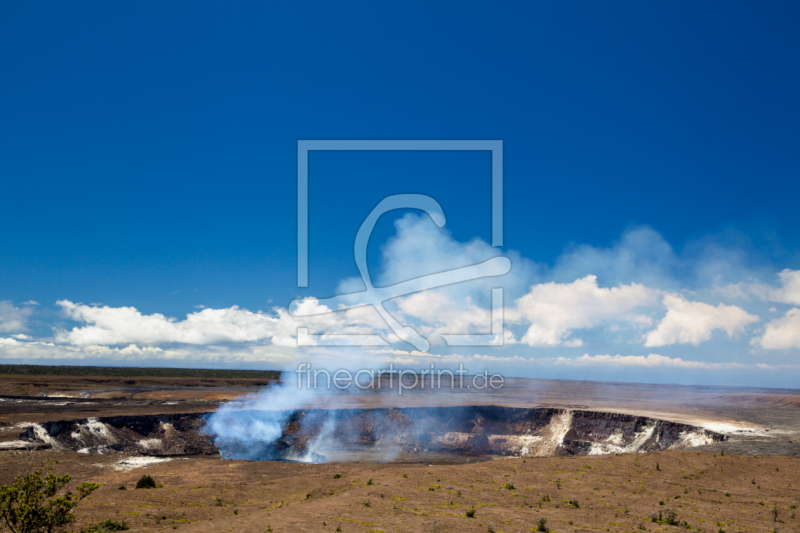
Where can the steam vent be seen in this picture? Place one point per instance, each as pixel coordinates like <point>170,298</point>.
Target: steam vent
<point>379,434</point>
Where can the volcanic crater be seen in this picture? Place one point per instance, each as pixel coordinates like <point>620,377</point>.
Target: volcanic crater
<point>320,435</point>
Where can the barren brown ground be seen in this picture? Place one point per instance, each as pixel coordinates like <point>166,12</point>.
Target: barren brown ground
<point>614,493</point>
<point>710,492</point>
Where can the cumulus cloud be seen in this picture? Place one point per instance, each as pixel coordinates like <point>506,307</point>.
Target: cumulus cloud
<point>552,310</point>
<point>442,315</point>
<point>641,255</point>
<point>694,322</point>
<point>782,333</point>
<point>9,342</point>
<point>276,356</point>
<point>106,325</point>
<point>788,292</point>
<point>14,319</point>
<point>420,248</point>
<point>604,295</point>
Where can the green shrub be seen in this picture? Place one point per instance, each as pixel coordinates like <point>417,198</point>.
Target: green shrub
<point>470,513</point>
<point>668,517</point>
<point>107,526</point>
<point>146,482</point>
<point>574,502</point>
<point>337,476</point>
<point>38,502</point>
<point>541,525</point>
<point>509,486</point>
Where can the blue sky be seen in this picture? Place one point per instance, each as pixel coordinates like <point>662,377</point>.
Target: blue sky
<point>148,161</point>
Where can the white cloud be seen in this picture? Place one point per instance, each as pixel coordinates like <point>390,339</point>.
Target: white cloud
<point>787,293</point>
<point>641,255</point>
<point>782,333</point>
<point>617,290</point>
<point>652,360</point>
<point>442,315</point>
<point>14,319</point>
<point>124,325</point>
<point>420,248</point>
<point>275,356</point>
<point>655,360</point>
<point>694,322</point>
<point>554,310</point>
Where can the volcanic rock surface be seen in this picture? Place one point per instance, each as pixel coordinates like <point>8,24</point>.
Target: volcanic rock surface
<point>318,435</point>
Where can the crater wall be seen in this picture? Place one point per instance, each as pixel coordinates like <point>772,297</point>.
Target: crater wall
<point>318,435</point>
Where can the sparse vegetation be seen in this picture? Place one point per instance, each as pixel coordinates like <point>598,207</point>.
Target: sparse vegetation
<point>107,526</point>
<point>616,505</point>
<point>541,525</point>
<point>41,502</point>
<point>146,482</point>
<point>574,502</point>
<point>668,517</point>
<point>337,476</point>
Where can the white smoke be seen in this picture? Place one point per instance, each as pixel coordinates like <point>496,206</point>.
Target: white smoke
<point>250,427</point>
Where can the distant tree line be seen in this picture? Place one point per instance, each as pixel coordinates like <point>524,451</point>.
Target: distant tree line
<point>124,372</point>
